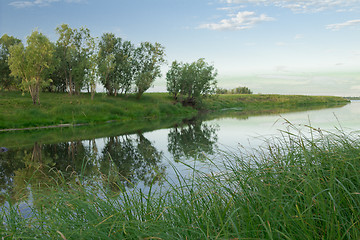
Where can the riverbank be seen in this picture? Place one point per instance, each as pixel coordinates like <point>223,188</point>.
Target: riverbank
<point>60,109</point>
<point>296,187</point>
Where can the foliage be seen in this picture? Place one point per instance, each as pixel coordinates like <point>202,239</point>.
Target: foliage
<point>238,90</point>
<point>173,79</point>
<point>74,51</point>
<point>6,80</point>
<point>149,58</point>
<point>91,73</point>
<point>191,80</point>
<point>116,64</point>
<point>78,62</point>
<point>32,64</point>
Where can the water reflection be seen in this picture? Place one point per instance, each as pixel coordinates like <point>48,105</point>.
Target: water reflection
<point>130,159</point>
<point>124,161</point>
<point>193,140</point>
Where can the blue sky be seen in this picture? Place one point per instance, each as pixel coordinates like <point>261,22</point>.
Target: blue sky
<point>271,46</point>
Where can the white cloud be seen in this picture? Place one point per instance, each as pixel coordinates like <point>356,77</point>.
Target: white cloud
<point>304,5</point>
<point>21,4</point>
<point>231,9</point>
<point>240,21</point>
<point>298,36</point>
<point>38,3</point>
<point>338,26</point>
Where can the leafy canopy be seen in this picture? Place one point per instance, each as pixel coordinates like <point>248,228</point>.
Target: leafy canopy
<point>191,80</point>
<point>6,80</point>
<point>32,64</point>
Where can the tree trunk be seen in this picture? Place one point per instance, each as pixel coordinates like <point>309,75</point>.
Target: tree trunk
<point>70,85</point>
<point>33,93</point>
<point>138,95</point>
<point>38,91</point>
<point>93,89</point>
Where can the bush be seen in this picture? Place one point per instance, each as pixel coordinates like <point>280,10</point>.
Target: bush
<point>238,90</point>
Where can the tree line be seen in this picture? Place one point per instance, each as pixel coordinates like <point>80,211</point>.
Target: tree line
<point>77,62</point>
<point>238,90</point>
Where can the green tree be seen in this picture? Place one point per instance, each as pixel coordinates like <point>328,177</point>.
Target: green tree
<point>241,90</point>
<point>6,80</point>
<point>116,64</point>
<point>32,64</point>
<point>125,66</point>
<point>74,52</point>
<point>173,79</point>
<point>149,59</point>
<point>191,80</point>
<point>238,90</point>
<point>58,83</point>
<point>92,71</point>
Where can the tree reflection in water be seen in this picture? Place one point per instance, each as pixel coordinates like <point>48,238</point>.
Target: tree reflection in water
<point>195,139</point>
<point>124,162</point>
<point>133,158</point>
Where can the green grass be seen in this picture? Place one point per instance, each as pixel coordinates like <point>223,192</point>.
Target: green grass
<point>251,102</point>
<point>295,187</point>
<point>17,111</point>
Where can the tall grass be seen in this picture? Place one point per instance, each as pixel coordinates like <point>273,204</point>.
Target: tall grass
<point>299,186</point>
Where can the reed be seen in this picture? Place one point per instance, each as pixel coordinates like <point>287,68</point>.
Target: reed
<point>298,186</point>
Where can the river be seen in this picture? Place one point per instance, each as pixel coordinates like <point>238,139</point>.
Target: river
<point>140,158</point>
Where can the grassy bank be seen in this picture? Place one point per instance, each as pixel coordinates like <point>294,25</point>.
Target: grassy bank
<point>17,111</point>
<point>296,187</point>
<point>263,102</point>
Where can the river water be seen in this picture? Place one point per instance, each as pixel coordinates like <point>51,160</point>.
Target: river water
<point>144,157</point>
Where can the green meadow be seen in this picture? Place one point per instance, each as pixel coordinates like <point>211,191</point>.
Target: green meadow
<point>18,111</point>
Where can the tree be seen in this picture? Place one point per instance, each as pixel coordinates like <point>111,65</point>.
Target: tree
<point>173,77</point>
<point>191,80</point>
<point>238,90</point>
<point>125,66</point>
<point>32,64</point>
<point>58,83</point>
<point>74,51</point>
<point>116,64</point>
<point>149,59</point>
<point>106,61</point>
<point>6,80</point>
<point>92,72</point>
<point>84,47</point>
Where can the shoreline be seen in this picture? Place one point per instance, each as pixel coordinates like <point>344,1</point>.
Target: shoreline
<point>59,110</point>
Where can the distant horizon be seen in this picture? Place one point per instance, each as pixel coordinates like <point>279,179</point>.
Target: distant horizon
<point>338,83</point>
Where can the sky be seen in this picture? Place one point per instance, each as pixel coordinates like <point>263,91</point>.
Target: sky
<point>271,46</point>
